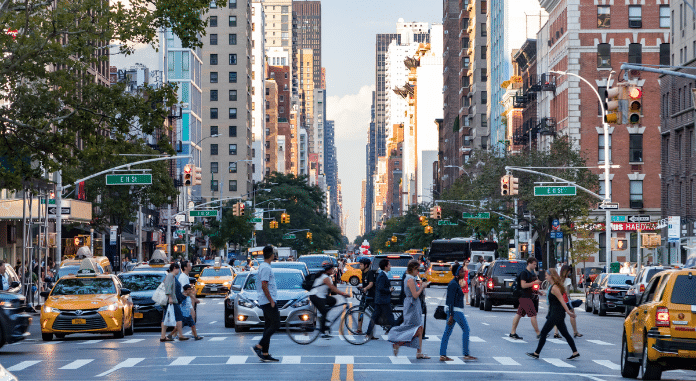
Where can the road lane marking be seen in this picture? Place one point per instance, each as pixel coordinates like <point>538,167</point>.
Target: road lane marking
<point>608,364</point>
<point>556,341</point>
<point>77,364</point>
<point>213,322</point>
<point>291,360</point>
<point>219,303</point>
<point>385,337</point>
<point>344,360</point>
<point>183,360</point>
<point>235,360</point>
<point>506,361</point>
<point>433,338</point>
<point>399,360</point>
<point>132,341</point>
<point>336,373</point>
<point>510,339</point>
<point>349,372</point>
<point>476,339</point>
<point>91,341</point>
<point>256,338</point>
<point>484,323</point>
<point>599,342</point>
<point>218,338</point>
<point>128,363</point>
<point>455,361</point>
<point>559,363</point>
<point>23,365</point>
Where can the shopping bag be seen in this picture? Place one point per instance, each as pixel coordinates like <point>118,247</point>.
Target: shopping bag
<point>169,318</point>
<point>159,297</point>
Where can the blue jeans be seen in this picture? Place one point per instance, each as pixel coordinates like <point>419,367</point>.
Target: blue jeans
<point>460,319</point>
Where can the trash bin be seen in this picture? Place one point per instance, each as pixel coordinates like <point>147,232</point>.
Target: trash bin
<point>615,267</point>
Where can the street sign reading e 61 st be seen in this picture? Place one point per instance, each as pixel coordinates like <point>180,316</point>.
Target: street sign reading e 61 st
<point>203,213</point>
<point>129,179</point>
<point>555,191</point>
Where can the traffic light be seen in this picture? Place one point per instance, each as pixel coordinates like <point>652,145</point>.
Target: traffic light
<point>81,240</point>
<point>635,104</point>
<point>242,209</point>
<point>428,230</point>
<point>235,209</point>
<point>387,244</point>
<point>523,247</point>
<point>619,244</point>
<point>436,212</point>
<point>393,238</point>
<point>197,176</point>
<point>432,212</point>
<point>611,105</point>
<point>273,224</point>
<point>505,185</point>
<point>309,235</point>
<point>187,175</point>
<point>423,220</point>
<point>284,218</point>
<point>514,185</point>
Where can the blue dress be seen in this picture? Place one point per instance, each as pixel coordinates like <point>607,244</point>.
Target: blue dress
<point>405,334</point>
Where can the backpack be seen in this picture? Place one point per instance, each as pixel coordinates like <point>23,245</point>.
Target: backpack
<point>517,286</point>
<point>308,283</point>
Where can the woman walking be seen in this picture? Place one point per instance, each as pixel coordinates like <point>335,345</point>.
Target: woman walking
<point>556,316</point>
<point>565,275</point>
<point>410,332</point>
<point>464,281</point>
<point>455,313</point>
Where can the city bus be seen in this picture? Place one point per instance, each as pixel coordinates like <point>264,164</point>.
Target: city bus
<point>461,249</point>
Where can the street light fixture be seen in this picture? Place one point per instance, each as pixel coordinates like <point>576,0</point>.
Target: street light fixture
<point>461,169</point>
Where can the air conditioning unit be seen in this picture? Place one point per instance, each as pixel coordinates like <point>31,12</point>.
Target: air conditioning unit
<point>635,23</point>
<point>637,204</point>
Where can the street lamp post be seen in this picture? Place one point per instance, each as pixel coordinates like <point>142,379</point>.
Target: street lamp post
<point>461,169</point>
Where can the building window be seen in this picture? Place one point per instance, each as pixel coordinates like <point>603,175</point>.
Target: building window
<point>213,167</point>
<point>635,53</point>
<point>213,39</point>
<point>232,131</point>
<point>465,62</point>
<point>214,185</point>
<point>281,109</point>
<point>664,54</point>
<point>233,185</point>
<point>213,59</point>
<point>636,189</point>
<point>601,188</point>
<point>233,113</point>
<point>213,21</point>
<point>213,149</point>
<point>603,16</point>
<point>213,5</point>
<point>232,21</point>
<point>604,56</point>
<point>484,33</point>
<point>214,113</point>
<point>233,59</point>
<point>601,147</point>
<point>233,39</point>
<point>635,16</point>
<point>484,97</point>
<point>213,77</point>
<point>233,150</point>
<point>232,4</point>
<point>601,90</point>
<point>664,16</point>
<point>635,148</point>
<point>232,95</point>
<point>213,130</point>
<point>484,75</point>
<point>213,95</point>
<point>233,77</point>
<point>483,54</point>
<point>233,167</point>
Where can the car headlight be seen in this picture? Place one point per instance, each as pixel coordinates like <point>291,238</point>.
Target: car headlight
<point>226,284</point>
<point>10,303</point>
<point>48,310</point>
<point>201,283</point>
<point>246,303</point>
<point>301,303</point>
<point>110,307</point>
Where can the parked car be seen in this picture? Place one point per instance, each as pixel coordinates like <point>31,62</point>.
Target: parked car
<point>475,287</point>
<point>142,284</point>
<point>499,278</point>
<point>642,279</point>
<point>609,296</point>
<point>14,322</point>
<point>590,292</point>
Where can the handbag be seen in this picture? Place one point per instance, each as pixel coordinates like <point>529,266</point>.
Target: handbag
<point>440,313</point>
<point>159,297</point>
<point>169,318</point>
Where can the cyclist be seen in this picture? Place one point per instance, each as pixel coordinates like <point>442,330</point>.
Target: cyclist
<point>319,295</point>
<point>368,282</point>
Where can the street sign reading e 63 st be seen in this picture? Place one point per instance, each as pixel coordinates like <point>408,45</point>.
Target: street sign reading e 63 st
<point>555,191</point>
<point>129,179</point>
<point>479,215</point>
<point>203,213</point>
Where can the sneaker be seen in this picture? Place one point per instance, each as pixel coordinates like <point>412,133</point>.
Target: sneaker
<point>573,357</point>
<point>258,351</point>
<point>198,338</point>
<point>268,358</point>
<point>515,336</point>
<point>533,355</point>
<point>326,336</point>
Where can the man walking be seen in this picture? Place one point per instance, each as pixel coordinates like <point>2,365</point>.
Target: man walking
<point>382,305</point>
<point>528,280</point>
<point>267,301</point>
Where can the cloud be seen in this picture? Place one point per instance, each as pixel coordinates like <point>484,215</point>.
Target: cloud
<point>351,114</point>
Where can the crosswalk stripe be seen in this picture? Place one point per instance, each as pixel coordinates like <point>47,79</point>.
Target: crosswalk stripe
<point>433,338</point>
<point>455,361</point>
<point>23,365</point>
<point>510,339</point>
<point>556,341</point>
<point>344,360</point>
<point>256,338</point>
<point>213,322</point>
<point>128,363</point>
<point>506,361</point>
<point>77,364</point>
<point>91,342</point>
<point>183,360</point>
<point>132,341</point>
<point>484,323</point>
<point>399,360</point>
<point>476,339</point>
<point>385,337</point>
<point>237,360</point>
<point>291,359</point>
<point>218,338</point>
<point>219,303</point>
<point>599,342</point>
<point>559,363</point>
<point>608,364</point>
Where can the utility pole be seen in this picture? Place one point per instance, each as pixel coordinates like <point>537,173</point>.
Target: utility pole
<point>517,233</point>
<point>140,233</point>
<point>59,217</point>
<point>169,231</point>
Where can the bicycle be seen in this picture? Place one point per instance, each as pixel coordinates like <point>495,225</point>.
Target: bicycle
<point>366,309</point>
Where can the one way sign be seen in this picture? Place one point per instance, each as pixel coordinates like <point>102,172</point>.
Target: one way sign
<point>63,210</point>
<point>642,218</point>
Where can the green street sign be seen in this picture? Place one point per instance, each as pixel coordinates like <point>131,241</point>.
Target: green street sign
<point>129,179</point>
<point>181,232</point>
<point>256,220</point>
<point>479,215</point>
<point>51,201</point>
<point>289,236</point>
<point>203,213</point>
<point>555,191</point>
<point>447,223</point>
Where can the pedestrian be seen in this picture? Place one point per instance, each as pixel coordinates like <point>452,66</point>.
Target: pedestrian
<point>464,281</point>
<point>625,269</point>
<point>455,313</point>
<point>319,295</point>
<point>367,287</point>
<point>248,266</point>
<point>173,290</point>
<point>124,264</point>
<point>410,332</point>
<point>382,303</point>
<point>566,272</point>
<point>4,278</point>
<point>528,280</point>
<point>187,311</point>
<point>479,264</point>
<point>267,300</point>
<point>556,316</point>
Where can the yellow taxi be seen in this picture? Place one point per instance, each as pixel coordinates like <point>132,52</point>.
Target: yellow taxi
<point>439,273</point>
<point>660,332</point>
<point>215,280</point>
<point>71,266</point>
<point>352,273</point>
<point>87,302</point>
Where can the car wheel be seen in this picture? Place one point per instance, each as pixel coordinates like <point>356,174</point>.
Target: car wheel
<point>488,305</point>
<point>229,323</point>
<point>601,311</point>
<point>354,281</point>
<point>129,331</point>
<point>46,336</point>
<point>120,334</point>
<point>472,299</point>
<point>482,302</point>
<point>594,306</point>
<point>650,370</point>
<point>588,307</point>
<point>628,369</point>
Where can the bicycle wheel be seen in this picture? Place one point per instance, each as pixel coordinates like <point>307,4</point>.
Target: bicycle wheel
<point>354,325</point>
<point>301,326</point>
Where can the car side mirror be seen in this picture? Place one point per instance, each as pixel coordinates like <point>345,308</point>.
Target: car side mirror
<point>14,284</point>
<point>44,294</point>
<point>630,300</point>
<point>236,288</point>
<point>629,282</point>
<point>125,291</point>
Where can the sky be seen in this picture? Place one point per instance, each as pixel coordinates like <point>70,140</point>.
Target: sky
<point>348,54</point>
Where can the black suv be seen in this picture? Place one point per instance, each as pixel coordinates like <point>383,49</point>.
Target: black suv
<point>398,263</point>
<point>499,278</point>
<point>14,322</point>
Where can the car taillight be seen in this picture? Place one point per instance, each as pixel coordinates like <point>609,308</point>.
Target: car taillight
<point>480,279</point>
<point>610,291</point>
<point>642,288</point>
<point>490,283</point>
<point>662,317</point>
<point>535,287</point>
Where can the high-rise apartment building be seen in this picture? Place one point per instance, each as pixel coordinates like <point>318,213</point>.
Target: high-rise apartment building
<point>305,67</point>
<point>278,14</point>
<point>450,144</point>
<point>226,85</point>
<point>306,34</point>
<point>271,133</point>
<point>258,96</point>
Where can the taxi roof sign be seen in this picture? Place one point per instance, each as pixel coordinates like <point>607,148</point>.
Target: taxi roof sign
<point>83,252</point>
<point>218,262</point>
<point>87,268</point>
<point>158,258</point>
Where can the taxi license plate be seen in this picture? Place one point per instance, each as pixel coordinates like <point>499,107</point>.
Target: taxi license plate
<point>138,315</point>
<point>441,274</point>
<point>213,289</point>
<point>79,321</point>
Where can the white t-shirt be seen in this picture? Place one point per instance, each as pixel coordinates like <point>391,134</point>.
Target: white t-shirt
<point>183,279</point>
<point>319,288</point>
<point>266,274</point>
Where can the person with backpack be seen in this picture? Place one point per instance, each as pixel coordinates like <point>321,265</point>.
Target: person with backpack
<point>455,313</point>
<point>525,283</point>
<point>319,295</point>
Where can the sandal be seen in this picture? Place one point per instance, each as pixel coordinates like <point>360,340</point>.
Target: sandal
<point>422,356</point>
<point>445,358</point>
<point>166,339</point>
<point>469,357</point>
<point>557,336</point>
<point>577,334</point>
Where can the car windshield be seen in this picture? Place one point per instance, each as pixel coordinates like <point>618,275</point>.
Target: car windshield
<point>216,272</point>
<point>84,286</point>
<point>650,274</point>
<point>314,262</point>
<point>289,265</point>
<point>618,279</point>
<point>441,267</point>
<point>683,291</point>
<point>67,270</point>
<point>284,281</point>
<point>239,280</point>
<point>141,282</point>
<point>509,268</point>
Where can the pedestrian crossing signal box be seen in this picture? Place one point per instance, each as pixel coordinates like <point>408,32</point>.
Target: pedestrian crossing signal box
<point>618,244</point>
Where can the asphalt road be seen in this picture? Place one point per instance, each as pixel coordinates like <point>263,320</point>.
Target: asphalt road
<point>224,354</point>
